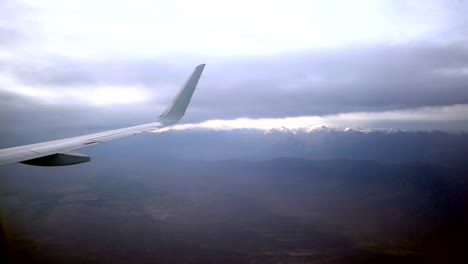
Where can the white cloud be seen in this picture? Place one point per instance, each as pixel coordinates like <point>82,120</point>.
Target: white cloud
<point>457,113</point>
<point>142,28</point>
<point>459,71</point>
<point>97,95</point>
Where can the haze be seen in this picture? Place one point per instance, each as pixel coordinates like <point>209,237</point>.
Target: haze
<point>320,131</point>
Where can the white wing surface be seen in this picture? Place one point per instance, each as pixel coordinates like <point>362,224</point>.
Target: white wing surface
<point>57,152</point>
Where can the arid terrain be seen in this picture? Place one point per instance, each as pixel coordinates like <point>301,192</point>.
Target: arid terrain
<point>277,211</point>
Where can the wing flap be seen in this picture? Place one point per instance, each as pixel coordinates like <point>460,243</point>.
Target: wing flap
<point>63,146</point>
<point>115,136</point>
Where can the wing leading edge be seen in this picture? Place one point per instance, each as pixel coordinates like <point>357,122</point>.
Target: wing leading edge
<point>57,152</point>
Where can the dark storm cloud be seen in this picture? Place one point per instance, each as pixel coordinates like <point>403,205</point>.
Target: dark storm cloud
<point>310,83</point>
<point>360,79</point>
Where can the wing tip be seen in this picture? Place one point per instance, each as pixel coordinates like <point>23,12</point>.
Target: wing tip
<point>181,101</point>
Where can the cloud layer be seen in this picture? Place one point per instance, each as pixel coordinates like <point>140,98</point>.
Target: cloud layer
<point>452,118</point>
<point>309,83</point>
<point>410,55</point>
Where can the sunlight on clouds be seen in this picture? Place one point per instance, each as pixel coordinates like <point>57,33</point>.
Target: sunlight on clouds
<point>107,95</point>
<point>265,123</point>
<point>436,114</point>
<point>6,55</point>
<point>92,95</point>
<point>340,121</point>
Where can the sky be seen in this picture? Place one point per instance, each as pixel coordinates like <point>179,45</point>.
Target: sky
<point>82,66</point>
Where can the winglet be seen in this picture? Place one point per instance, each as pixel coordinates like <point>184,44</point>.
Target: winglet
<point>179,104</point>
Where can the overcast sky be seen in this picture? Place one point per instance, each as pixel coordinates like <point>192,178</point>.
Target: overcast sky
<point>96,64</point>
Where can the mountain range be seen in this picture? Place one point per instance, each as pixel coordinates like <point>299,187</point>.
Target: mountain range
<point>391,146</point>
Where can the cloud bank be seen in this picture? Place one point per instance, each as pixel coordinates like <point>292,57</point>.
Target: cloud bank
<point>410,119</point>
<point>122,65</point>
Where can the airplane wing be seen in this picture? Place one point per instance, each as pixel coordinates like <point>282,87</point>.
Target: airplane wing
<point>57,152</point>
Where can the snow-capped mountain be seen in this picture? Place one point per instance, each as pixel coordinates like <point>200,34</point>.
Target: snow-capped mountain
<point>385,145</point>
